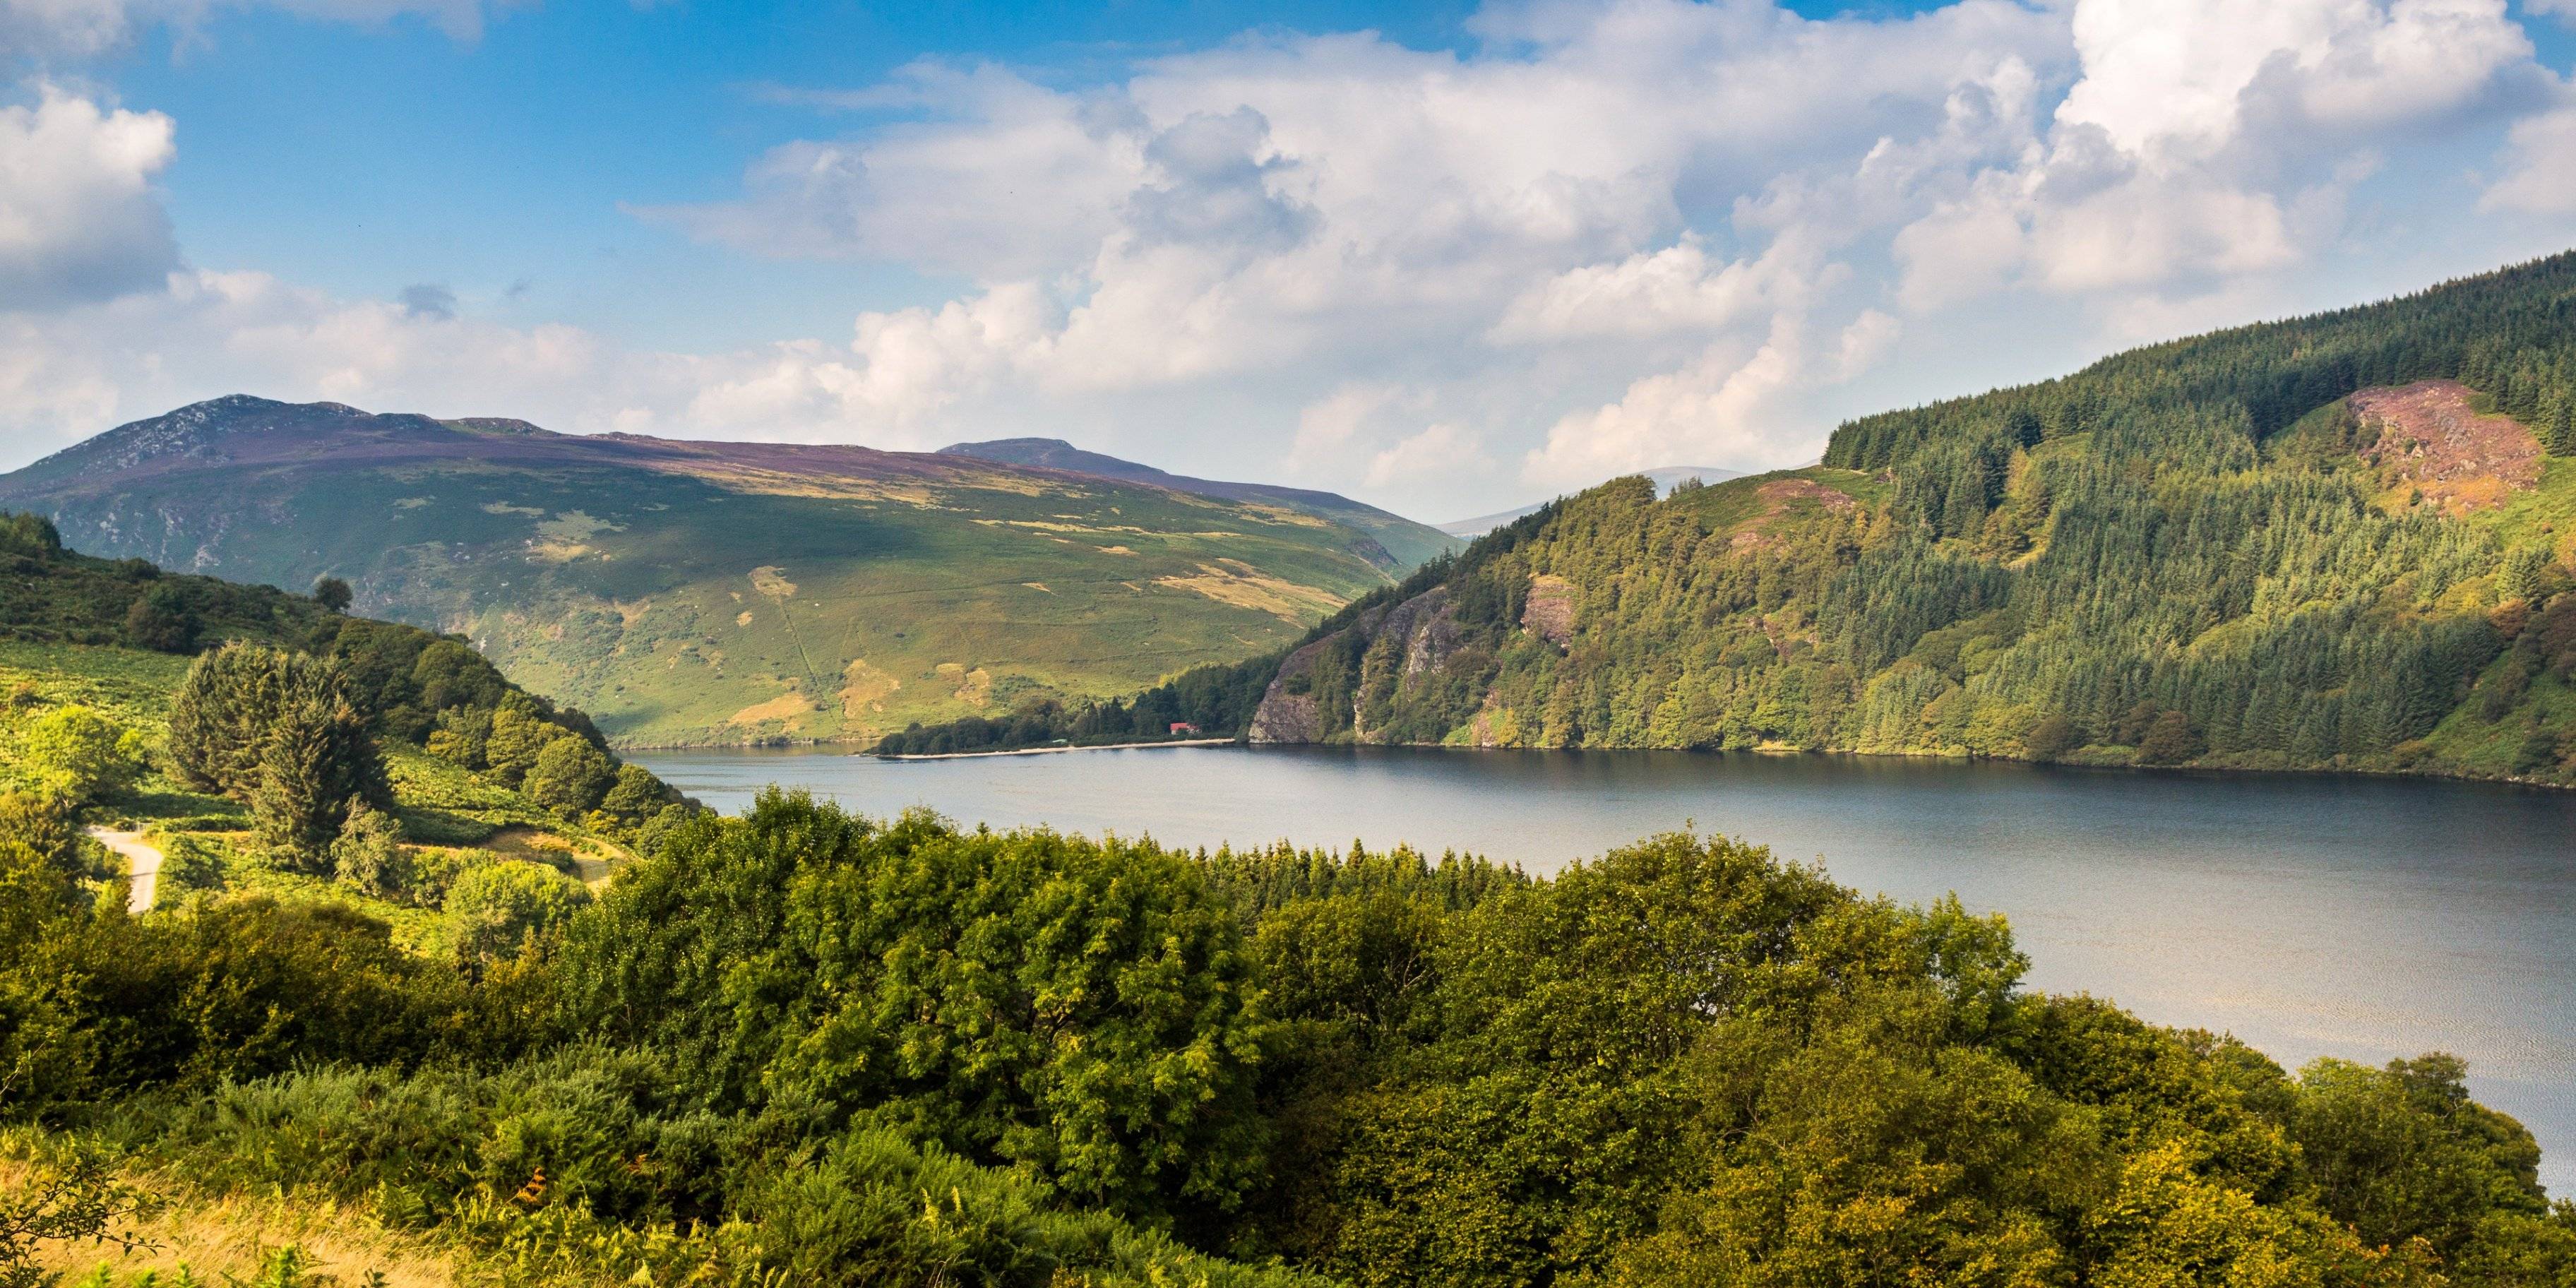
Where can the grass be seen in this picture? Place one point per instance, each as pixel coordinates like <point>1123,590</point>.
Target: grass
<point>237,1239</point>
<point>2466,742</point>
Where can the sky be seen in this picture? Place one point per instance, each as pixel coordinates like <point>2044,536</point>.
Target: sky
<point>1445,257</point>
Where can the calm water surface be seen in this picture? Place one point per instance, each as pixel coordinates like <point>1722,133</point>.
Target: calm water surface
<point>2359,917</point>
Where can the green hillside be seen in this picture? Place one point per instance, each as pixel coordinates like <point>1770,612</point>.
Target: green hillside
<point>695,592</point>
<point>110,645</point>
<point>2338,541</point>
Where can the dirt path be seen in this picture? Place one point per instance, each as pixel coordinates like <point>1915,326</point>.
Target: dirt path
<point>143,860</point>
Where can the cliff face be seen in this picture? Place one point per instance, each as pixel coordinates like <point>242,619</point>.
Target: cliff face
<point>1376,666</point>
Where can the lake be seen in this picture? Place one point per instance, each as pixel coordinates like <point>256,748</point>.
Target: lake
<point>2307,914</point>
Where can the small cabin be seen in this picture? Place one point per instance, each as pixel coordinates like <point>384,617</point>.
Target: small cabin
<point>1184,726</point>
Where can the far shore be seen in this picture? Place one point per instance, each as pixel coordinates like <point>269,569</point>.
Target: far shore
<point>1048,751</point>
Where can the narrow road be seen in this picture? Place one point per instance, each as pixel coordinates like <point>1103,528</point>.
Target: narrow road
<point>143,860</point>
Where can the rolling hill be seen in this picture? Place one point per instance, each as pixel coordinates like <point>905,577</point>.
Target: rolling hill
<point>692,592</point>
<point>2340,541</point>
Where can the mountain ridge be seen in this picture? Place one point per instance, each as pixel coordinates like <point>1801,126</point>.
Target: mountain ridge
<point>1410,541</point>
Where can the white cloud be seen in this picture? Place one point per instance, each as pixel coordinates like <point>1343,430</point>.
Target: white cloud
<point>79,220</point>
<point>2542,155</point>
<point>1441,450</point>
<point>1725,405</point>
<point>1622,234</point>
<point>1678,288</point>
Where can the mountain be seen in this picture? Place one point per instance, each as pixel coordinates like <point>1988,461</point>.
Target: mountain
<point>1664,479</point>
<point>1411,543</point>
<point>708,592</point>
<point>2334,542</point>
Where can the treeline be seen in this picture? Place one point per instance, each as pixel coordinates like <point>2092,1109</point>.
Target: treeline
<point>1213,701</point>
<point>2179,555</point>
<point>803,1046</point>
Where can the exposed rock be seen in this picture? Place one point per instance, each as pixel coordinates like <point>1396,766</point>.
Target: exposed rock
<point>1285,715</point>
<point>1549,614</point>
<point>2431,439</point>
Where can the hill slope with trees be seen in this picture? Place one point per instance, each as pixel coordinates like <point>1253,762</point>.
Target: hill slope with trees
<point>2341,541</point>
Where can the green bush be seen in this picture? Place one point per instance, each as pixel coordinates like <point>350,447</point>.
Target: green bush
<point>1080,1008</point>
<point>368,856</point>
<point>100,1006</point>
<point>82,754</point>
<point>569,776</point>
<point>494,910</point>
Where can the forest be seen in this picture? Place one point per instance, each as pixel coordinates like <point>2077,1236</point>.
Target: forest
<point>2341,541</point>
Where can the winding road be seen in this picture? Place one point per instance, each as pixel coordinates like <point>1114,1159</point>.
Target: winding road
<point>143,861</point>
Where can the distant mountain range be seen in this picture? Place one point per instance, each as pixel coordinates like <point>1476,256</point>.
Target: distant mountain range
<point>1665,480</point>
<point>691,592</point>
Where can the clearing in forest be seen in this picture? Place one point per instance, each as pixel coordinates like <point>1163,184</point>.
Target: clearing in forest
<point>2432,438</point>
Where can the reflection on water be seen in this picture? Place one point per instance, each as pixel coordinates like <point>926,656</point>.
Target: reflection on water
<point>2309,915</point>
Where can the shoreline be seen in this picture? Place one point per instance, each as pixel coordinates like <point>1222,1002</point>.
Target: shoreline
<point>1049,751</point>
<point>1767,749</point>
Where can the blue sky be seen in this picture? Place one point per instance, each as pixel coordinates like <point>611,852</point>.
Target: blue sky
<point>1444,256</point>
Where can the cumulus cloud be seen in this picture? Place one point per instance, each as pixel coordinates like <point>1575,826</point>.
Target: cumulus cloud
<point>1619,234</point>
<point>2541,178</point>
<point>79,219</point>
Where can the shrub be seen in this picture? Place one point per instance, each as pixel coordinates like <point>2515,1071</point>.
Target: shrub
<point>569,776</point>
<point>1081,1008</point>
<point>44,825</point>
<point>493,910</point>
<point>107,1005</point>
<point>30,536</point>
<point>160,619</point>
<point>81,754</point>
<point>2169,741</point>
<point>368,855</point>
<point>636,795</point>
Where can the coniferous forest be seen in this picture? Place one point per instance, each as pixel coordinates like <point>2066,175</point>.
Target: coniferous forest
<point>2341,541</point>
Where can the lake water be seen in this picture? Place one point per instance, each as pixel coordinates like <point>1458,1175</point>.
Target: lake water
<point>2309,915</point>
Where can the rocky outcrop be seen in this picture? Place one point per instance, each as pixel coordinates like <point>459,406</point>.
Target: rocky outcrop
<point>1549,614</point>
<point>1427,631</point>
<point>1289,712</point>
